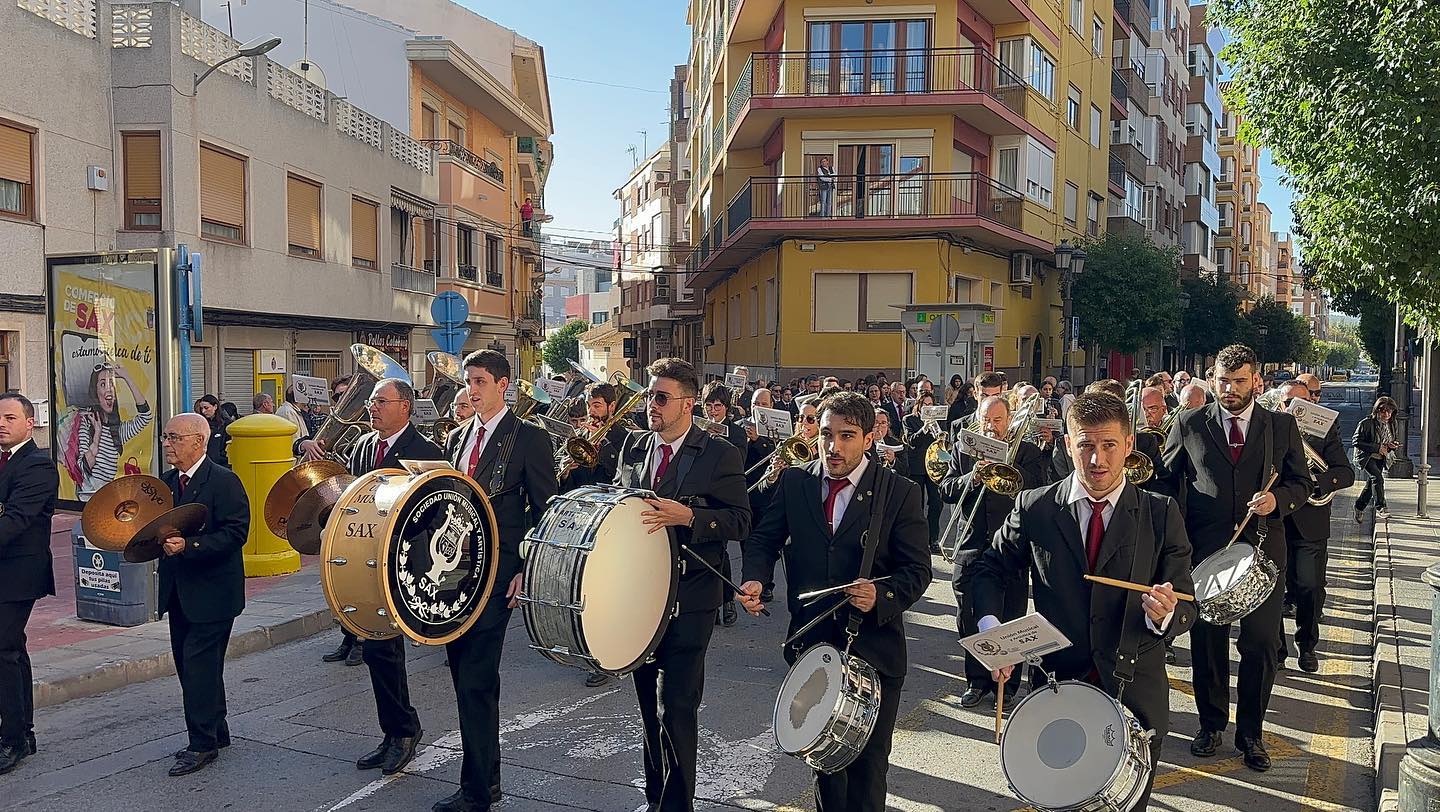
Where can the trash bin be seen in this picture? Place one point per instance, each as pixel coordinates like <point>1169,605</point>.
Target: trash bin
<point>109,589</point>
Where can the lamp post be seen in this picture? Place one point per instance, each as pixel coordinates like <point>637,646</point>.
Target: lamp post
<point>1260,350</point>
<point>1181,360</point>
<point>253,48</point>
<point>1070,262</point>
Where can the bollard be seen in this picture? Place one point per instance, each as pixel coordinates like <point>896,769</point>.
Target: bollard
<point>1419,789</point>
<point>260,454</point>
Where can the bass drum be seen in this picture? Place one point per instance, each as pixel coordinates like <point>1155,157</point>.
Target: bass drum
<point>410,553</point>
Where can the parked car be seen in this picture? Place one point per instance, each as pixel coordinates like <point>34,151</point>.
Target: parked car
<point>1282,375</point>
<point>1340,376</point>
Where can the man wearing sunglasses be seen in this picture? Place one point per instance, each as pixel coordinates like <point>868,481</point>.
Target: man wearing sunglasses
<point>701,503</point>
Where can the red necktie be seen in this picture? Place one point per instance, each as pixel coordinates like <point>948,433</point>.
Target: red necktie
<point>836,486</point>
<point>380,451</point>
<point>184,480</point>
<point>1096,533</point>
<point>1237,440</point>
<point>665,452</point>
<point>4,459</point>
<point>475,452</point>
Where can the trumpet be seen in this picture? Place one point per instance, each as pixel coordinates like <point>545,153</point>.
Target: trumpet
<point>793,450</point>
<point>584,450</point>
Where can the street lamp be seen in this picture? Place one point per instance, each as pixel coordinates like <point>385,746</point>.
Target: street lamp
<point>1260,351</point>
<point>1070,262</point>
<point>253,48</point>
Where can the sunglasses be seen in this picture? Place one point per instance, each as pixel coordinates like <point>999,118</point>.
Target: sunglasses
<point>662,399</point>
<point>809,418</point>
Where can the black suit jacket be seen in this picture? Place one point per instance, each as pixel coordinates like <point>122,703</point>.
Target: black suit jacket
<point>919,441</point>
<point>209,575</point>
<point>1366,442</point>
<point>815,559</point>
<point>706,475</point>
<point>1042,538</point>
<point>411,445</point>
<point>975,537</point>
<point>1312,522</point>
<point>1196,469</point>
<point>28,488</point>
<point>526,484</point>
<point>895,410</point>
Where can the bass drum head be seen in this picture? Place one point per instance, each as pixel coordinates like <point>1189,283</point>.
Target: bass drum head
<point>1221,571</point>
<point>1060,749</point>
<point>440,556</point>
<point>808,697</point>
<point>627,587</point>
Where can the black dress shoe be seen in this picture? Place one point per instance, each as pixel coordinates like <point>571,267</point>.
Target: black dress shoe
<point>1309,663</point>
<point>1205,743</point>
<point>1254,753</point>
<point>459,802</point>
<point>496,794</point>
<point>972,697</point>
<point>1288,610</point>
<point>11,756</point>
<point>375,758</point>
<point>190,761</point>
<point>356,656</point>
<point>220,744</point>
<point>728,614</point>
<point>340,653</point>
<point>400,752</point>
<point>597,679</point>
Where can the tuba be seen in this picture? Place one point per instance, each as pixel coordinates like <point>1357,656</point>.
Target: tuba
<point>1273,400</point>
<point>346,423</point>
<point>447,381</point>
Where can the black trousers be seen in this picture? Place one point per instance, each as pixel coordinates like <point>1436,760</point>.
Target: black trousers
<point>386,661</point>
<point>1259,647</point>
<point>17,701</point>
<point>669,691</point>
<point>475,673</point>
<point>1016,599</point>
<point>199,651</point>
<point>933,506</point>
<point>860,787</point>
<point>1374,485</point>
<point>1305,587</point>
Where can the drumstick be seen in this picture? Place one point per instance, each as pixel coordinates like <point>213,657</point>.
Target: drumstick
<point>1131,585</point>
<point>723,579</point>
<point>999,707</point>
<point>807,597</point>
<point>1251,512</point>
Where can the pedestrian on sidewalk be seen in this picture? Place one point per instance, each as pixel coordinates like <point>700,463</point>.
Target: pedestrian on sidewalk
<point>202,585</point>
<point>29,484</point>
<point>1374,443</point>
<point>217,447</point>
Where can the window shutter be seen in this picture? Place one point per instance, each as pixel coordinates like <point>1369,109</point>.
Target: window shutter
<point>836,298</point>
<point>222,188</point>
<point>15,154</point>
<point>302,212</point>
<point>363,230</point>
<point>142,166</point>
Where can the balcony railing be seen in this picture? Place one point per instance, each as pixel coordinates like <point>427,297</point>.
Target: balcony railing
<point>870,197</point>
<point>1117,171</point>
<point>1137,14</point>
<point>1119,89</point>
<point>460,153</point>
<point>894,72</point>
<point>415,280</point>
<point>494,279</point>
<point>468,273</point>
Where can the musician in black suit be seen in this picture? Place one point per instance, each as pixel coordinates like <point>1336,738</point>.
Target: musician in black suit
<point>920,437</point>
<point>959,486</point>
<point>1146,443</point>
<point>600,407</point>
<point>1307,530</point>
<point>987,384</point>
<point>819,515</point>
<point>391,403</point>
<point>202,584</point>
<point>700,491</point>
<point>716,397</point>
<point>1217,461</point>
<point>29,482</point>
<point>758,449</point>
<point>1110,528</point>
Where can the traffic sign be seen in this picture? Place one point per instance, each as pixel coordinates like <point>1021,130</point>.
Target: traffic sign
<point>449,310</point>
<point>450,339</point>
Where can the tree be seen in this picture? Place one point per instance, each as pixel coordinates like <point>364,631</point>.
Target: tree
<point>563,346</point>
<point>1376,331</point>
<point>1212,319</point>
<point>1286,335</point>
<point>1346,96</point>
<point>1129,294</point>
<point>1340,354</point>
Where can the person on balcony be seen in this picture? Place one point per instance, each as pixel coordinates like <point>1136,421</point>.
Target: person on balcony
<point>527,214</point>
<point>825,184</point>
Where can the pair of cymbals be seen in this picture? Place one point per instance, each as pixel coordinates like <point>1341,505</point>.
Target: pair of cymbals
<point>300,501</point>
<point>135,514</point>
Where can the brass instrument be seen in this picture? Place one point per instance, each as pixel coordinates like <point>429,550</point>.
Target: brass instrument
<point>584,450</point>
<point>1274,400</point>
<point>1002,478</point>
<point>346,423</point>
<point>447,380</point>
<point>528,398</point>
<point>941,452</point>
<point>1163,430</point>
<point>441,428</point>
<point>793,450</point>
<point>1139,468</point>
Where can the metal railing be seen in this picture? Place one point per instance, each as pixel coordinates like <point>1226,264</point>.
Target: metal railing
<point>443,146</point>
<point>866,197</point>
<point>1117,171</point>
<point>468,272</point>
<point>414,280</point>
<point>1119,89</point>
<point>494,279</point>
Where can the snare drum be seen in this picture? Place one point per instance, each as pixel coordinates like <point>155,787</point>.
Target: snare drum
<point>411,554</point>
<point>827,707</point>
<point>1233,583</point>
<point>600,588</point>
<point>1069,747</point>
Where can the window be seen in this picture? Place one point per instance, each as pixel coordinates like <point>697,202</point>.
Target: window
<point>1072,109</point>
<point>1226,210</point>
<point>364,233</point>
<point>599,316</point>
<point>465,253</point>
<point>1072,203</point>
<point>1095,125</point>
<point>1245,234</point>
<point>494,261</point>
<point>1008,167</point>
<point>733,322</point>
<point>9,345</point>
<point>457,133</point>
<point>1097,37</point>
<point>1222,261</point>
<point>222,195</point>
<point>836,296</point>
<point>1012,57</point>
<point>302,214</point>
<point>772,309</point>
<point>1077,16</point>
<point>17,179</point>
<point>1092,214</point>
<point>754,314</point>
<point>1039,173</point>
<point>142,181</point>
<point>1042,71</point>
<point>429,123</point>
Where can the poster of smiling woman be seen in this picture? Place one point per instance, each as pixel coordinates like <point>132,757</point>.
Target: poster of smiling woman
<point>106,373</point>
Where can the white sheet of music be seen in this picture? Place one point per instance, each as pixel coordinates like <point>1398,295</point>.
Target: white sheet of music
<point>1012,642</point>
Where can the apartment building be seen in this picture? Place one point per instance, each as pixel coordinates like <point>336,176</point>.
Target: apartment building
<point>1262,280</point>
<point>303,205</point>
<point>1238,190</point>
<point>854,157</point>
<point>647,264</point>
<point>1200,222</point>
<point>686,304</point>
<point>1287,284</point>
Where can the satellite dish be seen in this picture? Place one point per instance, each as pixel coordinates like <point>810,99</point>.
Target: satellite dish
<point>310,72</point>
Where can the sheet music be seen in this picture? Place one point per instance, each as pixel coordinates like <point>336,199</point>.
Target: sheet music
<point>1012,642</point>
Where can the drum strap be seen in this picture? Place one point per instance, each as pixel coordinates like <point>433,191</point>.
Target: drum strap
<point>869,541</point>
<point>1129,641</point>
<point>497,476</point>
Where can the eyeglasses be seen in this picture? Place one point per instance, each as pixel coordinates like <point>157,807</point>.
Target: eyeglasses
<point>1315,393</point>
<point>381,401</point>
<point>172,439</point>
<point>809,418</point>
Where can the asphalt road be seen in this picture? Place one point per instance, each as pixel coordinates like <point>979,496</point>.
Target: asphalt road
<point>299,724</point>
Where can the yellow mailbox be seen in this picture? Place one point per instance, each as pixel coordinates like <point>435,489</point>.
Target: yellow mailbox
<point>260,454</point>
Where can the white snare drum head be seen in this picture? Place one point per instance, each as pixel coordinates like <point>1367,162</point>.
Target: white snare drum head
<point>808,697</point>
<point>1059,749</point>
<point>625,586</point>
<point>1223,570</point>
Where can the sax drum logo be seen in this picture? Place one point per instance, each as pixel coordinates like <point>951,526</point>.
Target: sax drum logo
<point>440,560</point>
<point>988,648</point>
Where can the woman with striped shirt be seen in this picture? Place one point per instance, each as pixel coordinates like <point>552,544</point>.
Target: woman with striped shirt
<point>95,437</point>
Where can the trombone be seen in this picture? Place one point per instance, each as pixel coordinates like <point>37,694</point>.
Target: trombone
<point>793,450</point>
<point>1002,478</point>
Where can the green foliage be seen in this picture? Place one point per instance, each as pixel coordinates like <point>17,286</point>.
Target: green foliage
<point>1346,336</point>
<point>563,346</point>
<point>1212,319</point>
<point>1340,354</point>
<point>1346,96</point>
<point>1376,331</point>
<point>1129,293</point>
<point>1286,336</point>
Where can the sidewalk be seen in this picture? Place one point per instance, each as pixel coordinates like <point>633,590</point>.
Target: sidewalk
<point>1405,546</point>
<point>72,658</point>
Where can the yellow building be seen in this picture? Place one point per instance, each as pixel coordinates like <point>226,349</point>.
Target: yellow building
<point>1238,191</point>
<point>850,157</point>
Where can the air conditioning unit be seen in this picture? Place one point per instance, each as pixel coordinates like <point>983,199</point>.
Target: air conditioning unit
<point>662,279</point>
<point>1022,268</point>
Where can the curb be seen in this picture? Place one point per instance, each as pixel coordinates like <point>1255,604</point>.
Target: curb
<point>1385,680</point>
<point>120,673</point>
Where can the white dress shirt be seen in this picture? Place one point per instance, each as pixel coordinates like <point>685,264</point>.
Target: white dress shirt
<point>842,499</point>
<point>656,455</point>
<point>189,473</point>
<point>15,449</point>
<point>490,426</point>
<point>1244,416</point>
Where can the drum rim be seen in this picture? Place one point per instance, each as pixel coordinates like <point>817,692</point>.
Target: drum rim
<point>327,550</point>
<point>775,709</point>
<point>492,566</point>
<point>1126,715</point>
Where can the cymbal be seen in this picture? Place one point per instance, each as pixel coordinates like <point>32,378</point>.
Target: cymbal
<point>121,507</point>
<point>148,544</point>
<point>312,510</point>
<point>280,502</point>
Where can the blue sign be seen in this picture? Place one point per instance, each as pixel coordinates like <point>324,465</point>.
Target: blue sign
<point>97,574</point>
<point>449,310</point>
<point>450,339</point>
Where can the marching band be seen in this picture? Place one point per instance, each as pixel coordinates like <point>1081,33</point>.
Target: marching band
<point>1147,515</point>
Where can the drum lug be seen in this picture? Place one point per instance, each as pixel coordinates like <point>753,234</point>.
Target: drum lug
<point>338,561</point>
<point>372,563</point>
<point>381,612</point>
<point>350,511</point>
<point>348,610</point>
<point>682,568</point>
